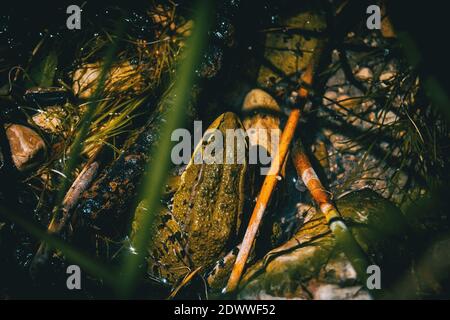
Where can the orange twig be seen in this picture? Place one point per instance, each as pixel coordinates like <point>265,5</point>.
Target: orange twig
<point>264,197</point>
<point>312,182</point>
<point>336,224</point>
<point>267,188</point>
<point>59,222</point>
<point>184,283</point>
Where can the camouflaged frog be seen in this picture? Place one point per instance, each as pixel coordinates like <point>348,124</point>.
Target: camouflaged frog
<point>206,215</point>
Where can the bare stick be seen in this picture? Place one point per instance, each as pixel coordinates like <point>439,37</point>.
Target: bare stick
<point>322,198</point>
<point>267,188</point>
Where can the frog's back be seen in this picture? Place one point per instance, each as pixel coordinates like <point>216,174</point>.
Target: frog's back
<point>207,210</point>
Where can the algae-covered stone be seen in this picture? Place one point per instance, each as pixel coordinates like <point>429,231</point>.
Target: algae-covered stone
<point>377,225</point>
<point>288,51</point>
<point>311,266</point>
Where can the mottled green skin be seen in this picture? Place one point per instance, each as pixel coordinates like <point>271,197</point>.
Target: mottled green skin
<point>209,202</point>
<point>206,215</point>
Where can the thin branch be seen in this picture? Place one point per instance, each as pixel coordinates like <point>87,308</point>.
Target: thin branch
<point>269,185</point>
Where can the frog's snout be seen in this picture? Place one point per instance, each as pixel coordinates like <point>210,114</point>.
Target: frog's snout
<point>231,120</point>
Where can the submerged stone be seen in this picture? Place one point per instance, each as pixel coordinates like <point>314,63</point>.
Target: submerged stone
<point>312,266</point>
<point>288,52</point>
<point>27,147</point>
<point>51,119</point>
<point>121,78</point>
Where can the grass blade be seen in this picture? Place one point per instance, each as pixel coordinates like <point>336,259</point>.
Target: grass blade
<point>157,170</point>
<point>86,263</point>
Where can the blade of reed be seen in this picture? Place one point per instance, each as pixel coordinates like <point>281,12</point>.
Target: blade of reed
<point>74,159</point>
<point>44,74</point>
<point>157,170</point>
<point>85,122</point>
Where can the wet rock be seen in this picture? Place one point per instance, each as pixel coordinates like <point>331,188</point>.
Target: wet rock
<point>305,211</point>
<point>262,116</point>
<point>386,117</point>
<point>121,78</point>
<point>387,29</point>
<point>341,270</point>
<point>342,103</point>
<point>28,149</point>
<point>344,100</point>
<point>311,266</point>
<point>364,74</point>
<point>289,53</point>
<point>258,98</point>
<point>329,98</point>
<point>51,119</point>
<point>386,77</point>
<point>340,142</point>
<point>335,292</point>
<point>337,80</point>
<point>433,271</point>
<point>321,154</point>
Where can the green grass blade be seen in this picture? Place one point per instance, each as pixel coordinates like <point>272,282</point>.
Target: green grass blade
<point>85,122</point>
<point>157,170</point>
<point>44,74</point>
<point>86,263</point>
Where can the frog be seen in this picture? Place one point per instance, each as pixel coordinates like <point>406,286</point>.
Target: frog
<point>206,212</point>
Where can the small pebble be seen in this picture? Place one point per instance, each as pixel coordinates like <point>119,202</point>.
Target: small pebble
<point>258,98</point>
<point>329,97</point>
<point>27,147</point>
<point>387,76</point>
<point>364,74</point>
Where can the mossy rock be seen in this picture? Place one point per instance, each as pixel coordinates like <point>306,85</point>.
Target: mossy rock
<point>311,266</point>
<point>378,226</point>
<point>281,63</point>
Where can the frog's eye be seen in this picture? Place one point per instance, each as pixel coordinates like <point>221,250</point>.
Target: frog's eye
<point>166,218</point>
<point>210,138</point>
<point>161,227</point>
